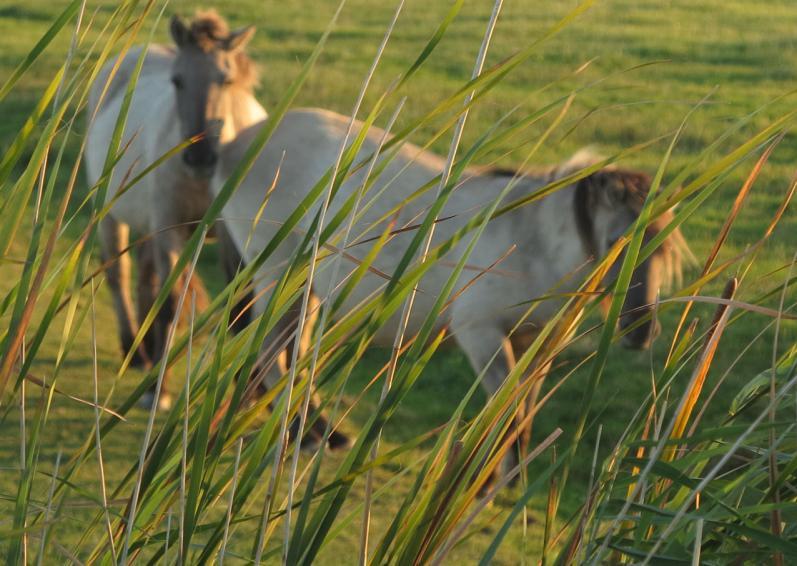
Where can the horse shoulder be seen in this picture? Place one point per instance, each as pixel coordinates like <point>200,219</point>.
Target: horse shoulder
<point>232,152</point>
<point>148,126</point>
<point>158,60</point>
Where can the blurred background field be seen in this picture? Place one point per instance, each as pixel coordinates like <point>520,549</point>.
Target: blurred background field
<point>646,64</point>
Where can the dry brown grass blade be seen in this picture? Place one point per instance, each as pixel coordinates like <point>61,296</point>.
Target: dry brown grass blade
<point>132,246</point>
<point>490,496</point>
<point>750,253</point>
<point>482,272</point>
<point>741,305</point>
<point>17,338</point>
<point>781,210</point>
<point>398,231</point>
<point>550,511</point>
<point>650,429</point>
<point>726,227</point>
<point>640,452</point>
<point>509,432</point>
<point>706,358</point>
<point>41,383</point>
<point>738,202</point>
<point>451,473</point>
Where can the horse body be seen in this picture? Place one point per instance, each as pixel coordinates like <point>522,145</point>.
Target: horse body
<point>172,192</point>
<point>545,246</point>
<point>533,261</point>
<point>202,89</point>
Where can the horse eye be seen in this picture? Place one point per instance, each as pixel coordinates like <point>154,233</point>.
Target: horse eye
<point>177,82</point>
<point>226,80</point>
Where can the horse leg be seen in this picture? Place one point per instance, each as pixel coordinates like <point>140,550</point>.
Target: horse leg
<point>480,343</point>
<point>114,238</point>
<point>146,292</point>
<point>286,328</point>
<point>231,262</point>
<point>538,372</point>
<point>166,251</point>
<point>336,440</point>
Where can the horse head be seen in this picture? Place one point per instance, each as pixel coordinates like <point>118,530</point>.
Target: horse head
<point>608,203</point>
<point>210,66</point>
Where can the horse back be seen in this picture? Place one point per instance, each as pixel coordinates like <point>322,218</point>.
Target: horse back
<point>158,60</point>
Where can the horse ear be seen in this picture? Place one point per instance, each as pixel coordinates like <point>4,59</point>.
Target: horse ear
<point>239,38</point>
<point>179,31</point>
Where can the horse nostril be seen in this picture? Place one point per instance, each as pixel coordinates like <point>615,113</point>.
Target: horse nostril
<point>200,159</point>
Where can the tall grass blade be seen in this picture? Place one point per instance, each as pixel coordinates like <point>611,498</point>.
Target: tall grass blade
<point>67,14</point>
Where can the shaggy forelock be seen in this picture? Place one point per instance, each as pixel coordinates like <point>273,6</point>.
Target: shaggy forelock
<point>207,29</point>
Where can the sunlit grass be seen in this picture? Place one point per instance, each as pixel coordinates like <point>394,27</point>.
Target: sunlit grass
<point>747,52</point>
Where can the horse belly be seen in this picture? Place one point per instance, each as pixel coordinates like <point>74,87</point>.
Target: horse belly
<point>385,335</point>
<point>372,286</point>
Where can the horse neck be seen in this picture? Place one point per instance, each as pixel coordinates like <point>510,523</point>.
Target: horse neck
<point>551,226</point>
<point>245,111</point>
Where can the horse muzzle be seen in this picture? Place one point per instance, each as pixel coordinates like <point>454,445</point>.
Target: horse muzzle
<point>200,161</point>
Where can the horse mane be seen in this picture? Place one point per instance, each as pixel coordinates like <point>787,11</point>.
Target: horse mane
<point>546,174</point>
<point>610,184</point>
<point>613,184</point>
<point>207,30</point>
<point>631,188</point>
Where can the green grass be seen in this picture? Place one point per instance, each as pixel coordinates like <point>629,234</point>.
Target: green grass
<point>746,56</point>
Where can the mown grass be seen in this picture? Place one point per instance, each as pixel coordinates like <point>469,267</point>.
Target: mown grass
<point>655,62</point>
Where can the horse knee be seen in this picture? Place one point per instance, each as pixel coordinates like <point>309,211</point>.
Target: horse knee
<point>339,441</point>
<point>313,435</point>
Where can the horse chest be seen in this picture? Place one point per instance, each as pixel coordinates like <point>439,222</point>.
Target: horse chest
<point>181,198</point>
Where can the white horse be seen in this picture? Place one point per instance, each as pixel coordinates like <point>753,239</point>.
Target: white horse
<point>203,89</point>
<point>549,240</point>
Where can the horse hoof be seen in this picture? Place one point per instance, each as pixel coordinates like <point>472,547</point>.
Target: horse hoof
<point>165,402</point>
<point>310,444</point>
<point>339,441</point>
<point>138,361</point>
<point>147,400</point>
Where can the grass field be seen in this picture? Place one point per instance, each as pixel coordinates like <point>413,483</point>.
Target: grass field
<point>646,64</point>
